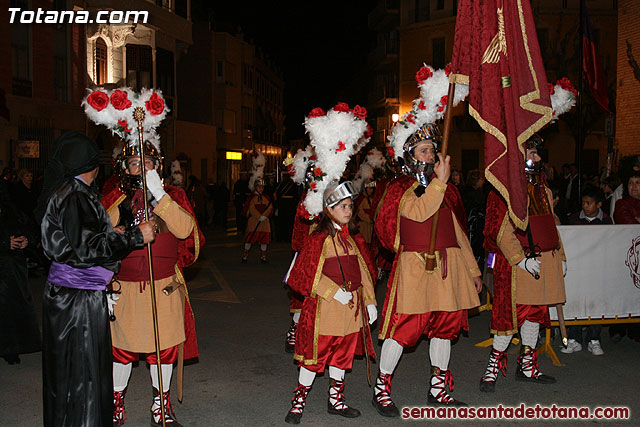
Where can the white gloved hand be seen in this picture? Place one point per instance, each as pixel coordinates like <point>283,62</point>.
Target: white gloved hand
<point>564,268</point>
<point>154,184</point>
<point>530,265</point>
<point>262,218</point>
<point>343,297</point>
<point>373,313</point>
<point>111,301</point>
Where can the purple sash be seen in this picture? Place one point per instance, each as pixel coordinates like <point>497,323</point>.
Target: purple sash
<point>93,278</point>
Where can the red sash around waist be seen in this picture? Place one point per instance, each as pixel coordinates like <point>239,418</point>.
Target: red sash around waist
<point>415,236</point>
<point>135,267</point>
<point>543,231</point>
<point>350,266</point>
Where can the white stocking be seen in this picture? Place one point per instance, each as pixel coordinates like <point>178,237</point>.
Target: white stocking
<point>501,342</point>
<point>336,373</point>
<point>529,333</point>
<point>390,355</point>
<point>306,377</point>
<point>440,352</point>
<point>296,317</point>
<point>167,370</point>
<point>263,248</point>
<point>247,246</point>
<point>121,374</point>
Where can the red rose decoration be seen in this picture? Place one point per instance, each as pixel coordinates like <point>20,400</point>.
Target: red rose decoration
<point>313,186</point>
<point>342,106</point>
<point>312,158</point>
<point>410,119</point>
<point>317,112</point>
<point>317,172</point>
<point>423,74</point>
<point>422,106</point>
<point>291,170</point>
<point>123,125</point>
<point>552,88</point>
<point>120,100</point>
<point>440,109</point>
<point>341,147</point>
<point>360,112</point>
<point>391,152</point>
<point>447,70</point>
<point>155,104</point>
<point>98,100</point>
<point>444,100</point>
<point>565,84</point>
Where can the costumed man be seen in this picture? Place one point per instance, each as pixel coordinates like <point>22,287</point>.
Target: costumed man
<point>528,274</point>
<point>418,301</point>
<point>300,168</point>
<point>257,209</point>
<point>86,251</point>
<point>303,225</point>
<point>177,245</point>
<point>334,274</point>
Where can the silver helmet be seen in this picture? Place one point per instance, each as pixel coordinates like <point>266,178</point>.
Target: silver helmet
<point>532,167</point>
<point>336,192</point>
<point>415,168</point>
<point>131,150</point>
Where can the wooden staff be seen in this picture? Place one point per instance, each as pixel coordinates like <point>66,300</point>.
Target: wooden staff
<point>138,115</point>
<point>430,262</point>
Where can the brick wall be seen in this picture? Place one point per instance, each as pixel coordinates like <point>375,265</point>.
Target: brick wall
<point>628,85</point>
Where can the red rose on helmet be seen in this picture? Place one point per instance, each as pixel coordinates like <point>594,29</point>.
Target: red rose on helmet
<point>422,106</point>
<point>98,100</point>
<point>391,152</point>
<point>423,74</point>
<point>120,100</point>
<point>317,172</point>
<point>291,170</point>
<point>360,112</point>
<point>565,83</point>
<point>341,147</point>
<point>447,69</point>
<point>552,88</point>
<point>155,104</point>
<point>123,125</point>
<point>443,101</point>
<point>313,186</point>
<point>410,118</point>
<point>341,106</point>
<point>317,112</point>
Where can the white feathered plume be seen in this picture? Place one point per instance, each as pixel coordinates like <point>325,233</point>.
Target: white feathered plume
<point>431,106</point>
<point>335,137</point>
<point>114,108</point>
<point>300,164</point>
<point>563,97</point>
<point>257,168</point>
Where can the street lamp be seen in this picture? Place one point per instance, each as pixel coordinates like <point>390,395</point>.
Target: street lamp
<point>395,117</point>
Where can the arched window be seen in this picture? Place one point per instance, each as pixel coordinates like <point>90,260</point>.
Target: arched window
<point>101,62</point>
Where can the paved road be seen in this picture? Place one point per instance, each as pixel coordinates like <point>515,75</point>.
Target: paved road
<point>244,377</point>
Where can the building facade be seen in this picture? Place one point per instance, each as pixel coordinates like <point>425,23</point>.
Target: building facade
<point>48,67</point>
<point>426,30</point>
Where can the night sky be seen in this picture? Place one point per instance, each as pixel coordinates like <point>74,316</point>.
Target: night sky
<point>321,47</point>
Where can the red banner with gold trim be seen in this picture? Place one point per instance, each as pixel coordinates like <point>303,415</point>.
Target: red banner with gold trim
<point>496,52</point>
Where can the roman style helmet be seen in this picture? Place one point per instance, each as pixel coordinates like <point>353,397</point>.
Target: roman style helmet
<point>413,167</point>
<point>132,150</point>
<point>336,192</point>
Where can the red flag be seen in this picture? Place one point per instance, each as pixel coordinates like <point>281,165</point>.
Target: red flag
<point>591,64</point>
<point>496,52</point>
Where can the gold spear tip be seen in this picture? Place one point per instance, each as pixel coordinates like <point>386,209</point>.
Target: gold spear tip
<point>138,114</point>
